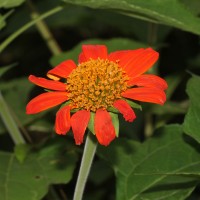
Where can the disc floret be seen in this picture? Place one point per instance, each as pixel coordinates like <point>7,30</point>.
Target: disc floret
<point>96,84</point>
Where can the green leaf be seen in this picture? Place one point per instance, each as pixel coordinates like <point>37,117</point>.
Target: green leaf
<point>128,25</point>
<point>193,5</point>
<point>112,109</point>
<point>112,44</point>
<point>133,104</point>
<point>166,166</point>
<point>91,122</point>
<point>115,121</point>
<point>17,91</point>
<point>100,172</point>
<point>10,3</point>
<point>31,179</point>
<point>158,11</point>
<point>21,151</point>
<point>169,107</point>
<point>191,125</point>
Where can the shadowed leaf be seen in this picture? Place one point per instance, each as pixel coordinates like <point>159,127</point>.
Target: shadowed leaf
<point>166,166</point>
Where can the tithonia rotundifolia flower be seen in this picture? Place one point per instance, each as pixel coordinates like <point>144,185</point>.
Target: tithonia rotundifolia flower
<point>98,88</point>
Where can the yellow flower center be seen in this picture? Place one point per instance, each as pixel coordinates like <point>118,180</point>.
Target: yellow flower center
<point>96,84</point>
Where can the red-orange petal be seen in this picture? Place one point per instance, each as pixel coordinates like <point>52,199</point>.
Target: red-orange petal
<point>62,70</point>
<point>119,55</point>
<point>48,84</point>
<point>149,80</point>
<point>82,58</point>
<point>62,124</point>
<point>45,101</point>
<point>93,52</point>
<point>137,62</point>
<point>152,95</point>
<point>125,109</point>
<point>104,129</point>
<point>79,122</point>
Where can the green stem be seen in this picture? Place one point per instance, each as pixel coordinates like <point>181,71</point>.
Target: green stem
<point>88,155</point>
<point>152,33</point>
<point>44,30</point>
<point>27,26</point>
<point>9,122</point>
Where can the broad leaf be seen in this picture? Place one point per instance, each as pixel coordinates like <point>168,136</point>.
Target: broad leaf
<point>157,11</point>
<point>163,167</point>
<point>17,91</point>
<point>115,44</point>
<point>193,5</point>
<point>10,3</point>
<point>191,123</point>
<point>31,179</point>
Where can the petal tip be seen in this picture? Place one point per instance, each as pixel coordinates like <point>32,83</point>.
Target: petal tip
<point>125,109</point>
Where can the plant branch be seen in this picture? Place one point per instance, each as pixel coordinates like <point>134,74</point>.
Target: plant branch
<point>27,26</point>
<point>44,30</point>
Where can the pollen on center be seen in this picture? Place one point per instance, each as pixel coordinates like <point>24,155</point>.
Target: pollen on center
<point>96,84</point>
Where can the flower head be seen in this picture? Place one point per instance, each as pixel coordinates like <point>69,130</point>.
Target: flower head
<point>97,89</point>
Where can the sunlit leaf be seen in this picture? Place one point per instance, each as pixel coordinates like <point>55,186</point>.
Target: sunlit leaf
<point>164,167</point>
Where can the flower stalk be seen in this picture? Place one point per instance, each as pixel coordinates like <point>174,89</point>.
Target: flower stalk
<point>86,162</point>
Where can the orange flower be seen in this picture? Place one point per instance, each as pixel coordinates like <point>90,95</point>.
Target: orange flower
<point>97,89</point>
